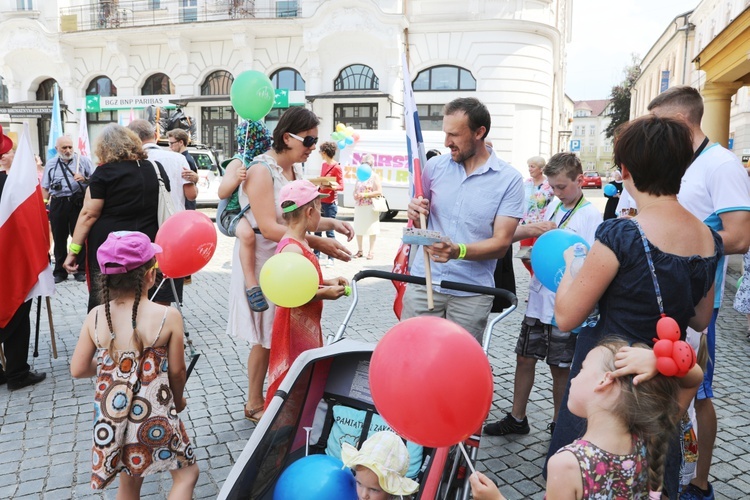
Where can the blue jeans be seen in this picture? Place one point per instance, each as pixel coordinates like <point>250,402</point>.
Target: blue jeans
<point>327,210</point>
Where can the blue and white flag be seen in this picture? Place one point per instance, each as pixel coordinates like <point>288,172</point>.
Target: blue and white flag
<point>56,127</point>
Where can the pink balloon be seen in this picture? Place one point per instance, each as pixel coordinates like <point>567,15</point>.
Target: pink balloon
<point>188,241</point>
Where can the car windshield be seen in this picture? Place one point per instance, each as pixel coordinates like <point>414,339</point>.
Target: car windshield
<point>591,174</point>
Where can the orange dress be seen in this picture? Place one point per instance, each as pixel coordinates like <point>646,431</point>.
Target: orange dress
<point>295,330</point>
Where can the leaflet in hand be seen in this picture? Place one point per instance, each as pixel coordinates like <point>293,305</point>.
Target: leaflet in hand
<point>414,236</point>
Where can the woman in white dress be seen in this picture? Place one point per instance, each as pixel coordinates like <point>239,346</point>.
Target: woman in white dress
<point>367,220</point>
<point>294,139</point>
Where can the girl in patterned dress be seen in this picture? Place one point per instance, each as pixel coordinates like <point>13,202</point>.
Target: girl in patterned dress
<point>135,349</point>
<point>631,411</point>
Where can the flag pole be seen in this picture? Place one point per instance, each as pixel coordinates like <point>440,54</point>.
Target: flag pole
<point>427,269</point>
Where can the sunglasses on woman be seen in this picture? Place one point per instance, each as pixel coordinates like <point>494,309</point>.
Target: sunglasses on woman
<point>309,141</point>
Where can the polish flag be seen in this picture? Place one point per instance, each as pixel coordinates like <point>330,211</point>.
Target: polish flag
<point>25,271</point>
<point>84,146</point>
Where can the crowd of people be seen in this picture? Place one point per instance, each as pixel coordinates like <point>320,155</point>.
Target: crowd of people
<point>613,404</point>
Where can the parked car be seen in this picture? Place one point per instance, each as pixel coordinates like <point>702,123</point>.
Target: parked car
<point>209,171</point>
<point>592,179</point>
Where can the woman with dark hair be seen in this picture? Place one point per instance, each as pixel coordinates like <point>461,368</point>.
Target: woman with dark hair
<point>660,263</point>
<point>123,195</point>
<point>294,138</point>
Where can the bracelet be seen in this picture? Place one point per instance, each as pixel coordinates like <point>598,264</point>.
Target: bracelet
<point>461,251</point>
<point>75,249</point>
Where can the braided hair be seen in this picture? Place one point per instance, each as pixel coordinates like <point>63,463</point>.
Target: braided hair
<point>650,410</point>
<point>253,139</point>
<point>115,286</point>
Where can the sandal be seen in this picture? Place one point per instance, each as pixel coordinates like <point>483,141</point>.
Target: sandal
<point>255,299</point>
<point>357,255</point>
<point>251,414</point>
<point>370,256</point>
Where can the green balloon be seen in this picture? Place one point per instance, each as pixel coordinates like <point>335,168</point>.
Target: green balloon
<point>252,95</point>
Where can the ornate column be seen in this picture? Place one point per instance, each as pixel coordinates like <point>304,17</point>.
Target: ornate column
<point>717,99</point>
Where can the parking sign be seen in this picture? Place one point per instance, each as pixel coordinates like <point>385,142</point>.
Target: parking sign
<point>575,146</point>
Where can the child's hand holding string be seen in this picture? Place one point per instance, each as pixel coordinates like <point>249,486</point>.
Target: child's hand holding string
<point>637,361</point>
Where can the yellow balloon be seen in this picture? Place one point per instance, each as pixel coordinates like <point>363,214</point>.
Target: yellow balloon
<point>349,131</point>
<point>340,127</point>
<point>289,280</point>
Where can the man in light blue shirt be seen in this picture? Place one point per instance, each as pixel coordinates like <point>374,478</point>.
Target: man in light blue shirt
<point>474,199</point>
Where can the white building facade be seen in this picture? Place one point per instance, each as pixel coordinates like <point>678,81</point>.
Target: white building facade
<point>341,58</point>
<point>674,59</point>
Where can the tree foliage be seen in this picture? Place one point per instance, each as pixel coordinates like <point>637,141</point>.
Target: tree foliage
<point>620,97</point>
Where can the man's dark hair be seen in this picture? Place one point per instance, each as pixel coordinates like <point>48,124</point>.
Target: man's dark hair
<point>656,152</point>
<point>179,135</point>
<point>294,120</point>
<point>474,109</point>
<point>683,99</point>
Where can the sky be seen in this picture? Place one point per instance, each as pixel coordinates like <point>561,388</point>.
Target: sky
<point>605,34</point>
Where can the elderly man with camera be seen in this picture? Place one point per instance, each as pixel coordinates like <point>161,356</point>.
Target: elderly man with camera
<point>64,185</point>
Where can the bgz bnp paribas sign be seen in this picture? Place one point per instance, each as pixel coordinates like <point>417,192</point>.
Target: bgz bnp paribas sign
<point>97,103</point>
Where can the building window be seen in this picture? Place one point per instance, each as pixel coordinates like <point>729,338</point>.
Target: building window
<point>46,90</point>
<point>3,90</point>
<point>217,83</point>
<point>430,116</point>
<point>158,84</point>
<point>24,5</point>
<point>592,130</point>
<point>189,11</point>
<point>444,78</point>
<point>591,149</point>
<point>287,78</point>
<point>358,116</point>
<point>102,86</point>
<point>356,77</point>
<point>154,4</point>
<point>272,118</point>
<point>286,8</point>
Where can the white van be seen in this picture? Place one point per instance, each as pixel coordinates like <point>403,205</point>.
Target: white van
<point>388,148</point>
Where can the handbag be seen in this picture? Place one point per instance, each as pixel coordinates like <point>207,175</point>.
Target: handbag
<point>379,204</point>
<point>166,206</point>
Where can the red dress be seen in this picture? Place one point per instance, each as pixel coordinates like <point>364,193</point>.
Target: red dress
<point>295,330</point>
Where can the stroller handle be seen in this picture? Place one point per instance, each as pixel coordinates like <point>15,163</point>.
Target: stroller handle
<point>417,280</point>
<point>451,285</point>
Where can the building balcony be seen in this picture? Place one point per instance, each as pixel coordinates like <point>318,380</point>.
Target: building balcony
<point>139,13</point>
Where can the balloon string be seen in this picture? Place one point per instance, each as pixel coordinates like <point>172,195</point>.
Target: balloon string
<point>247,133</point>
<point>466,456</point>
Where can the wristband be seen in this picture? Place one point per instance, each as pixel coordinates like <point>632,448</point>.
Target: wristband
<point>461,251</point>
<point>75,249</point>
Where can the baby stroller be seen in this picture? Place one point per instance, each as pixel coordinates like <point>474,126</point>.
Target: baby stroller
<point>301,417</point>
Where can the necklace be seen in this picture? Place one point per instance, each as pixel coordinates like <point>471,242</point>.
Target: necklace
<point>644,207</point>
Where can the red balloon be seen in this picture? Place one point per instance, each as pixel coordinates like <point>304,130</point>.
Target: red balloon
<point>188,241</point>
<point>667,328</point>
<point>684,357</point>
<point>666,366</point>
<point>663,348</point>
<point>431,381</point>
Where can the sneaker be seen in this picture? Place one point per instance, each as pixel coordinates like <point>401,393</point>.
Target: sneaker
<point>551,428</point>
<point>508,425</point>
<point>692,492</point>
<point>81,278</point>
<point>329,263</point>
<point>59,279</point>
<point>30,379</point>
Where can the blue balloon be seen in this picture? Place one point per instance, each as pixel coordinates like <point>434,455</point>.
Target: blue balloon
<point>341,144</point>
<point>547,260</point>
<point>316,477</point>
<point>364,172</point>
<point>349,141</point>
<point>610,190</point>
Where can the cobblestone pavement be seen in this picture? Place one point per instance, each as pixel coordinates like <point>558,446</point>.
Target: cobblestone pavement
<point>45,430</point>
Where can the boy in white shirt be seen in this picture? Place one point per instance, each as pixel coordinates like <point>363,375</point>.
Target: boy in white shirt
<point>540,338</point>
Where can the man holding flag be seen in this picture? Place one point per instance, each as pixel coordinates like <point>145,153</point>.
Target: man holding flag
<point>24,268</point>
<point>475,201</point>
